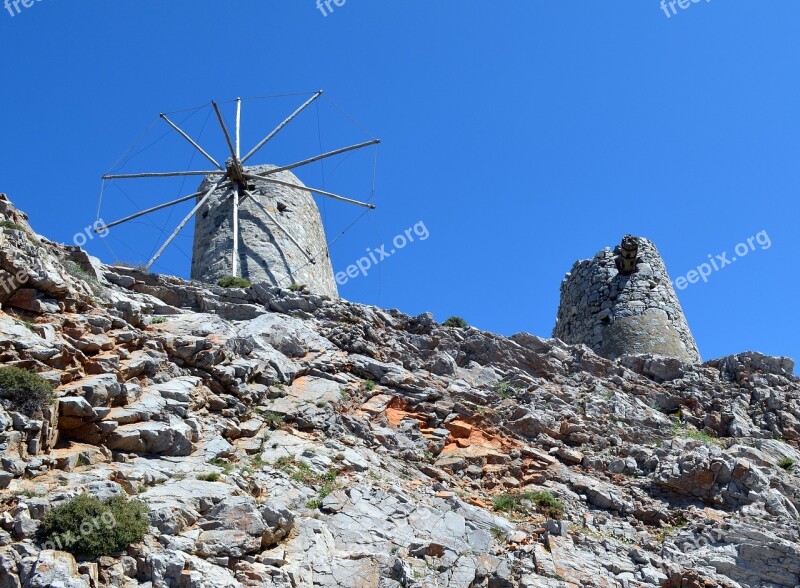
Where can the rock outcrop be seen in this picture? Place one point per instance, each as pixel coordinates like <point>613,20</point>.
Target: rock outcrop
<point>622,302</point>
<point>289,439</point>
<point>281,238</point>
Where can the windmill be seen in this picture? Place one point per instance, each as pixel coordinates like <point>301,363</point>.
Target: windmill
<point>237,182</point>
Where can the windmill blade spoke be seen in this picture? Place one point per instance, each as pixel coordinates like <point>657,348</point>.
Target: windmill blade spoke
<point>320,157</point>
<point>280,127</point>
<point>192,141</point>
<point>162,175</point>
<point>280,226</point>
<point>311,190</point>
<point>238,127</point>
<point>154,209</point>
<point>186,220</point>
<point>225,131</point>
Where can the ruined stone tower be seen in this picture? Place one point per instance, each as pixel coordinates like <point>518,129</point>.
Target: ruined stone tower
<point>266,253</point>
<point>621,302</point>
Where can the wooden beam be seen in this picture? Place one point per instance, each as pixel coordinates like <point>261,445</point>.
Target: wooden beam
<point>319,157</point>
<point>238,127</point>
<point>280,127</point>
<point>312,190</point>
<point>192,141</point>
<point>225,130</point>
<point>235,260</point>
<point>155,208</point>
<point>162,175</point>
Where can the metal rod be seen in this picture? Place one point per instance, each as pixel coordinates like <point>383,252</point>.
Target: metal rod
<point>323,156</point>
<point>277,224</point>
<point>192,141</point>
<point>235,261</point>
<point>225,130</point>
<point>238,126</point>
<point>162,175</point>
<point>149,210</point>
<point>236,194</point>
<point>186,220</point>
<point>280,127</point>
<point>312,190</point>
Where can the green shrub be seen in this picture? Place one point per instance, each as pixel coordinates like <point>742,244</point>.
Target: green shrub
<point>786,463</point>
<point>297,287</point>
<point>28,392</point>
<point>504,389</point>
<point>76,271</point>
<point>368,385</point>
<point>88,526</point>
<point>233,282</point>
<point>505,503</point>
<point>158,320</point>
<point>456,322</point>
<point>212,477</point>
<point>227,467</point>
<point>544,502</point>
<point>7,224</point>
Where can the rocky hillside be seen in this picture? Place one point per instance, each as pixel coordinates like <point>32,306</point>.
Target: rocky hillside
<point>284,439</point>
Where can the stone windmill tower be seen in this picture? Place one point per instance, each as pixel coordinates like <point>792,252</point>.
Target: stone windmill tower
<point>622,302</point>
<point>258,222</point>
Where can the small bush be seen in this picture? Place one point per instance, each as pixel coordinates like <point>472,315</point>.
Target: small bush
<point>504,389</point>
<point>273,420</point>
<point>7,224</point>
<point>27,392</point>
<point>158,320</point>
<point>456,322</point>
<point>233,282</point>
<point>505,503</point>
<point>226,466</point>
<point>212,477</point>
<point>547,503</point>
<point>88,526</point>
<point>76,271</point>
<point>544,503</point>
<point>297,287</point>
<point>786,463</point>
<point>368,385</point>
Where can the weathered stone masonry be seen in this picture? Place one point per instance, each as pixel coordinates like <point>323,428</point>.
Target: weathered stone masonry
<point>617,314</point>
<point>266,254</point>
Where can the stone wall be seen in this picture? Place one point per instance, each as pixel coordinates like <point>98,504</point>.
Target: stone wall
<point>266,254</point>
<point>618,314</point>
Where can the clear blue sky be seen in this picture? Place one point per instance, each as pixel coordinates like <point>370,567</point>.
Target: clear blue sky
<point>524,135</point>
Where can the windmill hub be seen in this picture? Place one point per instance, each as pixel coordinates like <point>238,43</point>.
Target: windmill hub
<point>236,172</point>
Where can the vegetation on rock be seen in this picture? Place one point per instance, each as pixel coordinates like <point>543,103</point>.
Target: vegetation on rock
<point>26,391</point>
<point>88,526</point>
<point>233,282</point>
